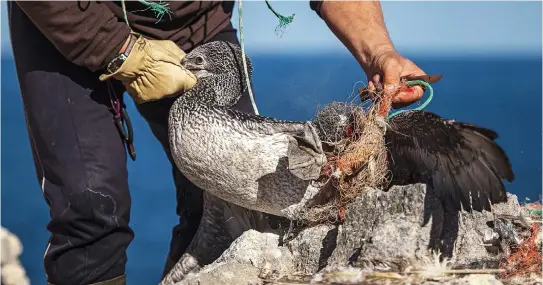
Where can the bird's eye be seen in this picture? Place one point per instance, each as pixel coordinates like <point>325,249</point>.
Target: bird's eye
<point>199,60</point>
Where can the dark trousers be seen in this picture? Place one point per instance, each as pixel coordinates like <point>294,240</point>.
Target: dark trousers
<point>80,160</point>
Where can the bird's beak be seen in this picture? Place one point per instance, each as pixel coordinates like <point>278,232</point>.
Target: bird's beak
<point>185,63</point>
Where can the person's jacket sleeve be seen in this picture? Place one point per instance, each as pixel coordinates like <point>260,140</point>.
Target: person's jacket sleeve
<point>86,33</point>
<point>315,5</point>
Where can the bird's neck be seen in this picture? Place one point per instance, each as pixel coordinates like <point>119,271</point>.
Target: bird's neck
<point>219,91</point>
<point>203,92</point>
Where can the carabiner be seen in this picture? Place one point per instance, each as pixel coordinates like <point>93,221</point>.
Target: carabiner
<point>120,116</point>
<point>127,133</point>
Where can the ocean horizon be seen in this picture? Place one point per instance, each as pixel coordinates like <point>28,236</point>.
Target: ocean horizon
<point>500,92</point>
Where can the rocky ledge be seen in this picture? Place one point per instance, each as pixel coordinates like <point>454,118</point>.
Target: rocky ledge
<point>402,236</point>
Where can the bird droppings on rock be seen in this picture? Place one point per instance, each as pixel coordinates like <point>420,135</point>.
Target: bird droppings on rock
<point>388,238</point>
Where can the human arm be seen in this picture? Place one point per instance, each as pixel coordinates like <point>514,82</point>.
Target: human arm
<point>87,34</point>
<point>360,26</point>
<point>90,35</point>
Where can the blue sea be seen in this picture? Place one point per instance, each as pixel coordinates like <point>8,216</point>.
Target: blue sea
<point>502,93</point>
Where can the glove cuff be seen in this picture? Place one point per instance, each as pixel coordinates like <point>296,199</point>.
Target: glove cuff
<point>133,59</point>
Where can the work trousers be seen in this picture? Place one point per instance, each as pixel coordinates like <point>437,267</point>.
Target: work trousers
<point>80,159</point>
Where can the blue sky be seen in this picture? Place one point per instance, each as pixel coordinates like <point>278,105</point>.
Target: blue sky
<point>416,27</point>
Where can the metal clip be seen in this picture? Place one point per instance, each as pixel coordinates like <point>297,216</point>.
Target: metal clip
<point>128,133</point>
<point>121,118</point>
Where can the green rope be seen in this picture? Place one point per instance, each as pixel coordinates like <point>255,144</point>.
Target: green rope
<point>536,212</point>
<point>160,8</point>
<point>124,13</point>
<point>283,21</point>
<point>241,41</point>
<point>426,102</point>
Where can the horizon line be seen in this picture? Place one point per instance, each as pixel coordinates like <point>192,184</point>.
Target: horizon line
<point>257,50</point>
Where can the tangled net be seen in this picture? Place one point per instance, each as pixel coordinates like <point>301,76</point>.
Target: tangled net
<point>525,260</point>
<point>526,257</point>
<point>353,140</point>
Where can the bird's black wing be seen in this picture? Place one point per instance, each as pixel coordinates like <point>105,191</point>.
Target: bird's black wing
<point>460,161</point>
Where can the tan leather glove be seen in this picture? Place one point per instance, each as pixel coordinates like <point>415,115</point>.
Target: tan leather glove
<point>152,70</point>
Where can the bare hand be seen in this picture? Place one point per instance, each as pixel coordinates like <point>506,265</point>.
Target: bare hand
<point>392,67</point>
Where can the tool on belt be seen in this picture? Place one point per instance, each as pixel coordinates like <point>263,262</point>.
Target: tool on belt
<point>121,118</point>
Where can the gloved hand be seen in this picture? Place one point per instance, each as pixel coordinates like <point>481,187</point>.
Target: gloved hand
<point>153,70</point>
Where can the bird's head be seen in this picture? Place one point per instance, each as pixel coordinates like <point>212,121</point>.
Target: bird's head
<point>218,65</point>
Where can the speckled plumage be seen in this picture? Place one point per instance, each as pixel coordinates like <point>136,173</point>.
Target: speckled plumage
<point>242,158</point>
<point>246,164</point>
